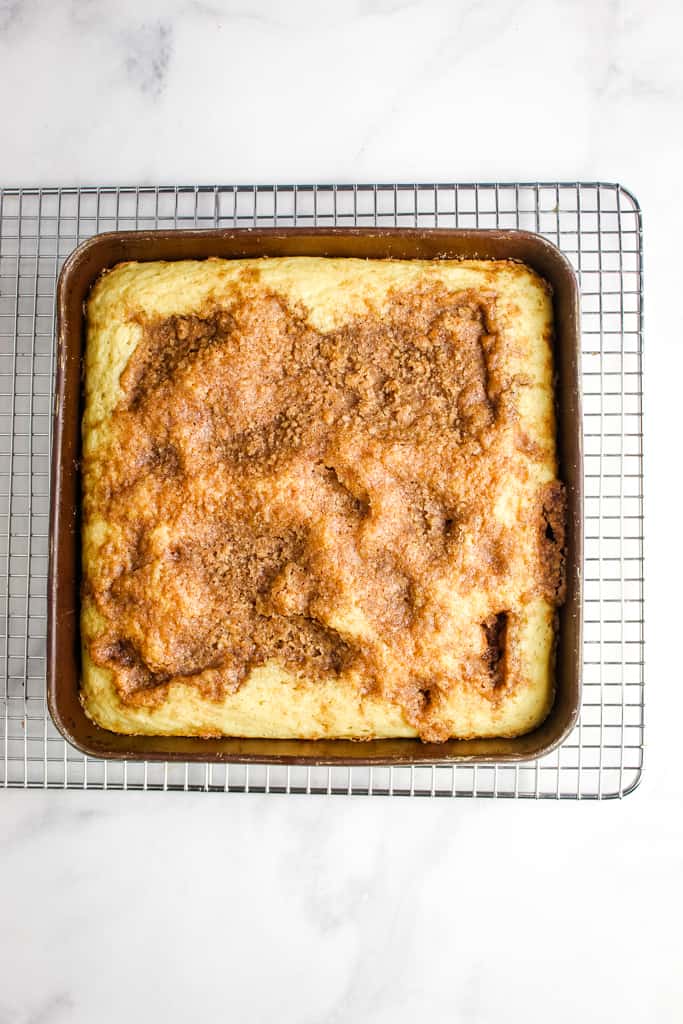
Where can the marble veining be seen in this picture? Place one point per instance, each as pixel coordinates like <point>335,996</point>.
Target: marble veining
<point>10,13</point>
<point>148,57</point>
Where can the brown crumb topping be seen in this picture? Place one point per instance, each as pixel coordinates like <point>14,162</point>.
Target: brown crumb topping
<point>267,485</point>
<point>552,539</point>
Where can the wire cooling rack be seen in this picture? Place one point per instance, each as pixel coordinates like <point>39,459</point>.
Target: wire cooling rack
<point>598,226</point>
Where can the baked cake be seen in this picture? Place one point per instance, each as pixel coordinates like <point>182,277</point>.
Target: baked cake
<point>320,499</point>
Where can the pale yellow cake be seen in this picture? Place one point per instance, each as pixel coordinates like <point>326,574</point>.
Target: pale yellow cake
<point>320,499</point>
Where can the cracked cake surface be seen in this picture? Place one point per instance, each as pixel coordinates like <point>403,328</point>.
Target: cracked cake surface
<point>320,499</point>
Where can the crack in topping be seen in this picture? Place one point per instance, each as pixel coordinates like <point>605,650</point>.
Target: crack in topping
<point>552,541</point>
<point>495,631</point>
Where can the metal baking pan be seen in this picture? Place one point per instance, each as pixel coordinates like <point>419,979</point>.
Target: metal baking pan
<point>63,665</point>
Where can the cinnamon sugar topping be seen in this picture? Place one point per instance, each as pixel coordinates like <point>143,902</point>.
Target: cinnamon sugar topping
<point>278,492</point>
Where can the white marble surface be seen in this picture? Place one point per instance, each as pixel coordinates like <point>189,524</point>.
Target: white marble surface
<point>311,910</point>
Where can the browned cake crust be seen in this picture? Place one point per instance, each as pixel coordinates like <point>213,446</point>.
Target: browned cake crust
<point>262,473</point>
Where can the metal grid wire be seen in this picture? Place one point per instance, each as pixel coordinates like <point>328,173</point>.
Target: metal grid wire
<point>598,226</point>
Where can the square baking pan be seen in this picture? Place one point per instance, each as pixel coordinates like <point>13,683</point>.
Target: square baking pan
<point>103,251</point>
